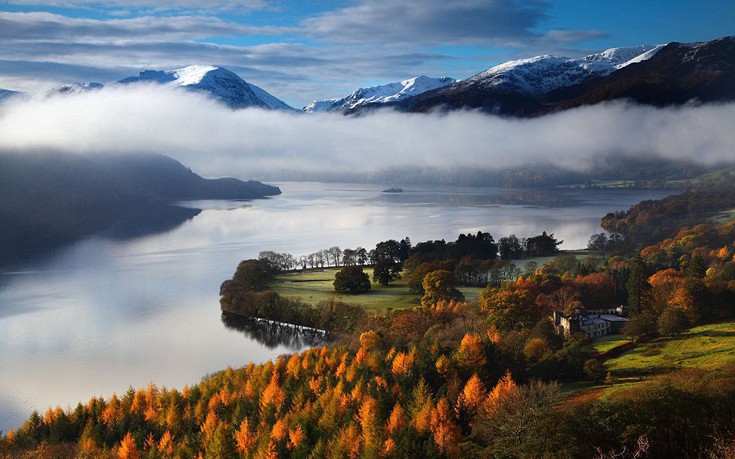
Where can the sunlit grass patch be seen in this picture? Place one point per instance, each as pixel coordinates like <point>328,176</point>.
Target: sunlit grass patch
<point>605,343</point>
<point>316,285</point>
<point>708,347</point>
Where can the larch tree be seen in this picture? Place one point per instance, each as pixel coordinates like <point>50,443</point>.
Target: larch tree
<point>128,448</point>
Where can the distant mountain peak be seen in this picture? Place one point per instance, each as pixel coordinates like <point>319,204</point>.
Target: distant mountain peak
<point>652,74</point>
<point>195,74</point>
<point>541,74</point>
<point>220,83</point>
<point>391,92</point>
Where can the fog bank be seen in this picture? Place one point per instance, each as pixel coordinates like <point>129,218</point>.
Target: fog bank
<point>216,141</point>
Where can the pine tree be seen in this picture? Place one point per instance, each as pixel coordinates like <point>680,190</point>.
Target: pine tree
<point>637,285</point>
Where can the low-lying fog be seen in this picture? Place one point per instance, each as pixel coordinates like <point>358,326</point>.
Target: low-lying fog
<point>216,141</point>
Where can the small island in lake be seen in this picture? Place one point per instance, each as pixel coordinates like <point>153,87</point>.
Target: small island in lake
<point>394,190</point>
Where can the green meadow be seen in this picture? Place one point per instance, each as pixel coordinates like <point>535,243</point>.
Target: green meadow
<point>316,285</point>
<point>605,343</point>
<point>708,347</point>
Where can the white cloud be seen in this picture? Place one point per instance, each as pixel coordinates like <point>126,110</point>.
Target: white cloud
<point>124,6</point>
<point>48,27</point>
<point>216,141</point>
<point>504,23</point>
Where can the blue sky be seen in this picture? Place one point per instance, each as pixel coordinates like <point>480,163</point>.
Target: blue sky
<point>305,50</point>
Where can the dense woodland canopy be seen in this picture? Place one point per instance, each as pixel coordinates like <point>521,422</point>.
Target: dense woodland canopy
<point>447,378</point>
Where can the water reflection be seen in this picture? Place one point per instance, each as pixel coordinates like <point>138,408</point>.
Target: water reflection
<point>150,220</point>
<point>136,224</point>
<point>273,334</point>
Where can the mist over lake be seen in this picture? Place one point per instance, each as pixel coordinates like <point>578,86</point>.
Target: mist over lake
<point>130,308</point>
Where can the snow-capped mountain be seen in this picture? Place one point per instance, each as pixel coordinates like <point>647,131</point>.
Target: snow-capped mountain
<point>391,92</point>
<point>660,75</point>
<point>220,83</point>
<point>542,74</point>
<point>676,74</point>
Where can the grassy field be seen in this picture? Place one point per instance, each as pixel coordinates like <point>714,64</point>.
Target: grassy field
<point>314,286</point>
<point>605,343</point>
<point>708,346</point>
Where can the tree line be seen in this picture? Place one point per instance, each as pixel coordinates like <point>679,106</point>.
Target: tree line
<point>480,246</point>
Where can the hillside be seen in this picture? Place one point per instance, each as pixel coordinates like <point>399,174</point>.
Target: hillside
<point>707,347</point>
<point>49,198</point>
<point>676,74</point>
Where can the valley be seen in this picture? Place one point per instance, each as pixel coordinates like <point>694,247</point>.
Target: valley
<point>367,229</point>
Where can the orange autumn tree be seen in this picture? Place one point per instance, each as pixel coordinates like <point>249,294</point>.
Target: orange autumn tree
<point>469,401</point>
<point>295,437</point>
<point>128,448</point>
<point>273,396</point>
<point>504,388</point>
<point>403,363</point>
<point>469,356</point>
<point>396,420</point>
<point>245,437</point>
<point>447,434</point>
<point>367,417</point>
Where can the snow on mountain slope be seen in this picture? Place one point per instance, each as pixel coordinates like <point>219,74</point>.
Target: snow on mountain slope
<point>270,100</point>
<point>220,83</point>
<point>622,57</point>
<point>542,74</point>
<point>390,92</point>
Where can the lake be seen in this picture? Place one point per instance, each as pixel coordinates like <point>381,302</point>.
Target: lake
<point>132,307</point>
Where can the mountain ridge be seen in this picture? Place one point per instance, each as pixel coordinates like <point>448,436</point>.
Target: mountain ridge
<point>661,75</point>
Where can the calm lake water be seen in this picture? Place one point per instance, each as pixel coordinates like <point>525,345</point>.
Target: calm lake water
<point>128,308</point>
